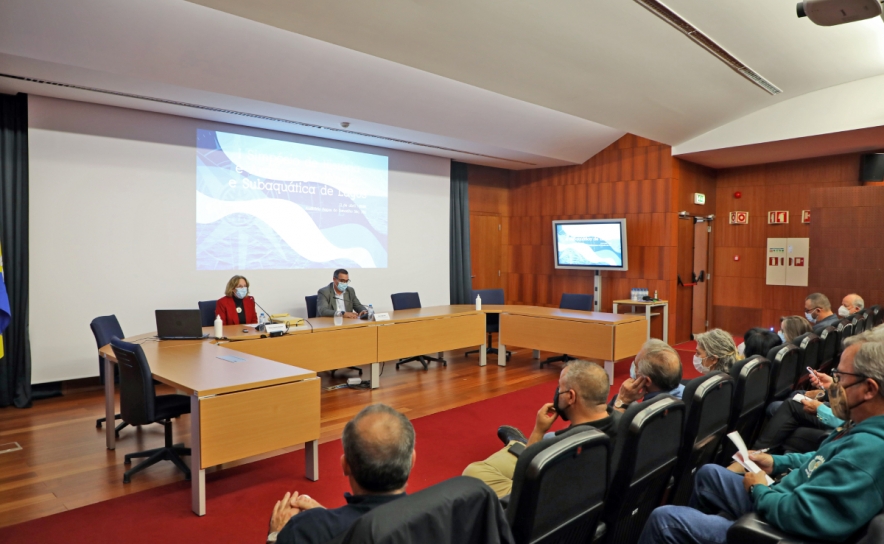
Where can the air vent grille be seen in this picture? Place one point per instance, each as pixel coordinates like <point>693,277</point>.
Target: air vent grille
<point>689,30</point>
<point>262,117</point>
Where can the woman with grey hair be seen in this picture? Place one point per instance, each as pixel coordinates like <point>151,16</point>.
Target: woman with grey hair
<point>715,351</point>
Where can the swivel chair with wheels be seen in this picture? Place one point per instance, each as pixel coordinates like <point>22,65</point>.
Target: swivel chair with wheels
<point>407,301</point>
<point>104,328</point>
<point>570,301</point>
<point>310,300</point>
<point>492,321</point>
<point>140,405</point>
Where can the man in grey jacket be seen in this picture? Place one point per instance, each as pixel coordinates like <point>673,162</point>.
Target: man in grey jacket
<point>338,296</point>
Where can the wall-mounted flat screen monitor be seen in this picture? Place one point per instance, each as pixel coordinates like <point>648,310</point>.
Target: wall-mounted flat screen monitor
<point>590,244</point>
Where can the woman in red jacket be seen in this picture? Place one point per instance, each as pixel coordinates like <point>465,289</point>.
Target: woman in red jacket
<point>237,308</point>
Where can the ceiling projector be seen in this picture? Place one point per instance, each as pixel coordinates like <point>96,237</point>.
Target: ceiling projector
<point>838,12</point>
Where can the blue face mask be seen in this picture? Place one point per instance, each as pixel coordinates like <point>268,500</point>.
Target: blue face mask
<point>632,370</point>
<point>781,335</point>
<point>241,292</point>
<point>342,286</point>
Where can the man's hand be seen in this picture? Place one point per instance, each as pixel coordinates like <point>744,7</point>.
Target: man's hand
<point>632,390</point>
<point>283,512</point>
<point>820,380</point>
<point>754,478</point>
<point>763,460</point>
<point>305,502</point>
<point>545,418</point>
<point>810,406</point>
<point>351,315</point>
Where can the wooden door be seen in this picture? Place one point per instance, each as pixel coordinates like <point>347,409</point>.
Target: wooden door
<point>485,251</point>
<point>701,261</point>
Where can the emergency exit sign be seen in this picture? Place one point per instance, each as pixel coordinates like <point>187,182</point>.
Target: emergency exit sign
<point>699,198</point>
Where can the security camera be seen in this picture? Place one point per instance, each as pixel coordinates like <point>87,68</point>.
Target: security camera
<point>838,12</point>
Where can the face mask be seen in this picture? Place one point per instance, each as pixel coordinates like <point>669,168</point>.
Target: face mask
<point>781,335</point>
<point>558,410</point>
<point>838,401</point>
<point>843,311</point>
<point>698,365</point>
<point>342,286</point>
<point>741,349</point>
<point>241,292</point>
<point>809,317</point>
<point>632,370</point>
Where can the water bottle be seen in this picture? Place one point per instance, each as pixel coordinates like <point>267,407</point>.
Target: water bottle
<point>655,295</point>
<point>370,312</point>
<point>219,327</point>
<point>261,319</point>
<point>478,303</point>
<point>644,293</point>
<point>632,294</point>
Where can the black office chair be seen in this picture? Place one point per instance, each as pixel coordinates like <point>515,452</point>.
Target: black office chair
<point>559,488</point>
<point>407,301</point>
<point>751,529</point>
<point>859,322</point>
<point>649,438</point>
<point>492,321</point>
<point>751,396</point>
<point>461,510</point>
<point>808,356</point>
<point>104,328</point>
<point>845,330</point>
<point>829,341</point>
<point>875,316</point>
<point>140,405</point>
<point>707,402</point>
<point>570,301</point>
<point>784,370</point>
<point>310,301</point>
<point>207,312</point>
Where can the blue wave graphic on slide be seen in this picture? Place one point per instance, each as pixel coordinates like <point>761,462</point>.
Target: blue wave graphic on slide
<point>322,208</point>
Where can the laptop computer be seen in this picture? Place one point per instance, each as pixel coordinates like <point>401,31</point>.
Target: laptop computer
<point>179,325</point>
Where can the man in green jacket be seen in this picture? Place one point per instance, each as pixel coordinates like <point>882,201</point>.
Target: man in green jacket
<point>827,495</point>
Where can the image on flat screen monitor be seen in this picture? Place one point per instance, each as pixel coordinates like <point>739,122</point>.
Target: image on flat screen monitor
<point>590,244</point>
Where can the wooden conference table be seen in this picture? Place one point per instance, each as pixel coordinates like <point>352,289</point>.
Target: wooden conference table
<point>237,407</point>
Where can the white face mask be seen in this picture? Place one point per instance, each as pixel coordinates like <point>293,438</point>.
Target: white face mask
<point>781,335</point>
<point>698,364</point>
<point>843,311</point>
<point>741,349</point>
<point>809,317</point>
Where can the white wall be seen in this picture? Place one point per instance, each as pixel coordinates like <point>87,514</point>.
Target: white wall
<point>113,230</point>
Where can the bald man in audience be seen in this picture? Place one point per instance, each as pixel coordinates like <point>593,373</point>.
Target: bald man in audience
<point>378,457</point>
<point>656,370</point>
<point>580,398</point>
<point>851,304</point>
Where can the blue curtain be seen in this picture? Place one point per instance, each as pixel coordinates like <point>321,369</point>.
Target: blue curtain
<point>459,236</point>
<point>15,366</point>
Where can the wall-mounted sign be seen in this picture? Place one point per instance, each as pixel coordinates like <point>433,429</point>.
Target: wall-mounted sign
<point>805,216</point>
<point>777,217</point>
<point>739,218</point>
<point>699,198</point>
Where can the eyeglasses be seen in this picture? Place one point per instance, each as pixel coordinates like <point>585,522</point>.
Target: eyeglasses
<point>836,376</point>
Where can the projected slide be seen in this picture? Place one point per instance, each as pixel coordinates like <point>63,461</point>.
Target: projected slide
<point>591,244</point>
<point>268,204</point>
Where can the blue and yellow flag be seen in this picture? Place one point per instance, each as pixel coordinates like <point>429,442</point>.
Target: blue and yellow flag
<point>5,316</point>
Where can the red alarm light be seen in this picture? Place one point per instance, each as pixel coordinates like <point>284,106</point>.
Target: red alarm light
<point>736,257</point>
<point>738,194</point>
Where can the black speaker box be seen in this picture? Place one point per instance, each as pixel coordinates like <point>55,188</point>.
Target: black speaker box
<point>871,167</point>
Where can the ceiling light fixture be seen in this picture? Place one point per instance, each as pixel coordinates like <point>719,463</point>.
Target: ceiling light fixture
<point>692,32</point>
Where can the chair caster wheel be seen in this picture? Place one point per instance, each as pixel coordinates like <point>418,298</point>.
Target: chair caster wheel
<point>187,477</point>
<point>127,461</point>
<point>98,425</point>
<point>126,480</point>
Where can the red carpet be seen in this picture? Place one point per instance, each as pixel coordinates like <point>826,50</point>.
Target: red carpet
<point>239,499</point>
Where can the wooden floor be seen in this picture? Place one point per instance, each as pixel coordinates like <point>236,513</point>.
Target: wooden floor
<point>64,464</point>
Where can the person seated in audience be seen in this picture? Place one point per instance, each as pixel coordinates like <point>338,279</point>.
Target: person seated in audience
<point>236,307</point>
<point>338,298</point>
<point>656,370</point>
<point>715,351</point>
<point>827,494</point>
<point>580,398</point>
<point>818,311</point>
<point>759,341</point>
<point>850,305</point>
<point>793,326</point>
<point>378,458</point>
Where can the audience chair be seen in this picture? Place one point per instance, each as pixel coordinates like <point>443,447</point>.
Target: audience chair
<point>570,301</point>
<point>140,405</point>
<point>784,370</point>
<point>559,488</point>
<point>829,341</point>
<point>750,529</point>
<point>808,356</point>
<point>104,328</point>
<point>407,301</point>
<point>874,316</point>
<point>751,389</point>
<point>310,301</point>
<point>492,321</point>
<point>459,510</point>
<point>649,438</point>
<point>707,402</point>
<point>207,312</point>
<point>859,323</point>
<point>845,330</point>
